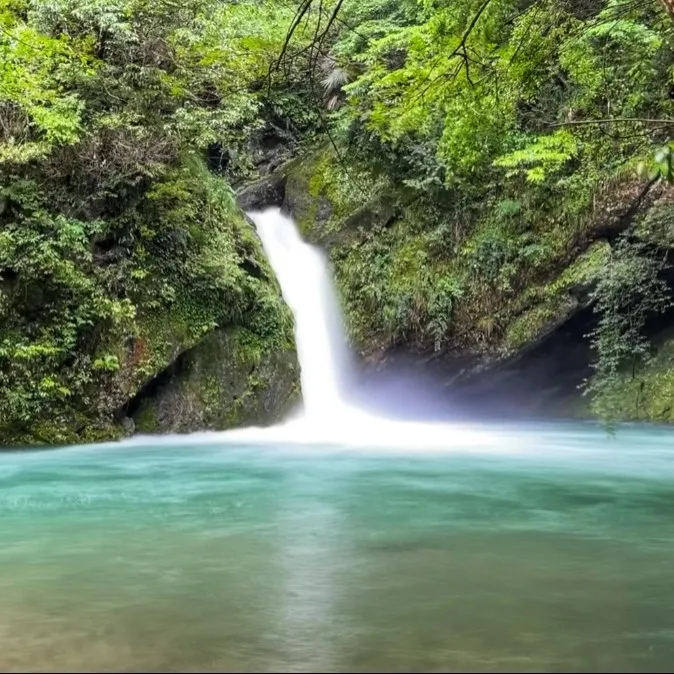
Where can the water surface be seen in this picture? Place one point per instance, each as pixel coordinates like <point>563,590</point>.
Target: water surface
<point>550,548</point>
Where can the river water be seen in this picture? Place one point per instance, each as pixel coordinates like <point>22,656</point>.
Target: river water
<point>539,548</point>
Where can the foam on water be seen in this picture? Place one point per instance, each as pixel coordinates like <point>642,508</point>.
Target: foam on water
<point>329,420</point>
<point>325,363</point>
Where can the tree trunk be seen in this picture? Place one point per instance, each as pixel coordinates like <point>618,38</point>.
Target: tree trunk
<point>669,6</point>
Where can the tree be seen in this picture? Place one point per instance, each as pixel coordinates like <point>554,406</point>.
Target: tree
<point>669,6</point>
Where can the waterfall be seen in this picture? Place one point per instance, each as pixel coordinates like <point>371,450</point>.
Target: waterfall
<point>303,274</point>
<point>329,418</point>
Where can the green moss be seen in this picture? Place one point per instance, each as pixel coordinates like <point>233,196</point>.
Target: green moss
<point>230,378</point>
<point>50,433</point>
<point>46,433</point>
<point>322,192</point>
<point>530,325</point>
<point>585,269</point>
<point>554,300</point>
<point>146,419</point>
<point>318,172</point>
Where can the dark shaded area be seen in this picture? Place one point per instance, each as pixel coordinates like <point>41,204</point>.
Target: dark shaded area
<point>541,381</point>
<point>217,158</point>
<point>153,386</point>
<point>262,194</point>
<point>252,268</point>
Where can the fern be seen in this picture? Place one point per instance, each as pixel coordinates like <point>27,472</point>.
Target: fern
<point>545,156</point>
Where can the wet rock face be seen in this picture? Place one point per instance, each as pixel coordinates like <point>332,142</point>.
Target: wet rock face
<point>270,148</point>
<point>229,379</point>
<point>262,194</point>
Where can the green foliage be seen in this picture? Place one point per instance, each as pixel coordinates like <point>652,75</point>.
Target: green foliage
<point>517,134</point>
<point>118,250</point>
<point>496,128</point>
<point>545,156</point>
<point>645,393</point>
<point>80,331</point>
<point>546,305</point>
<point>629,290</point>
<point>394,292</point>
<point>479,84</point>
<point>662,164</point>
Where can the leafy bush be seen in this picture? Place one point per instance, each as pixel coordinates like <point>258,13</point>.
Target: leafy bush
<point>118,250</point>
<point>628,292</point>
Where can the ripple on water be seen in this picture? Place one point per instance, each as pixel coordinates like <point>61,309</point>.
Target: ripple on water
<point>182,555</point>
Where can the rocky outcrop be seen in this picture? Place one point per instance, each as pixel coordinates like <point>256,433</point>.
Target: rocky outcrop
<point>265,192</point>
<point>201,338</point>
<point>231,378</point>
<point>522,351</point>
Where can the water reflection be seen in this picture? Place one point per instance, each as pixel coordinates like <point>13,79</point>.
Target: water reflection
<point>311,544</point>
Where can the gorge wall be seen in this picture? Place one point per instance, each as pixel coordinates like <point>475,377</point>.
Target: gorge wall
<point>492,180</point>
<point>436,340</point>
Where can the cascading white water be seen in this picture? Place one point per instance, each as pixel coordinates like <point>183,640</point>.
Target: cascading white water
<point>329,418</point>
<point>302,272</point>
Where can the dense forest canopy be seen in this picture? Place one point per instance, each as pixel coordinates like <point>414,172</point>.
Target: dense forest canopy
<point>505,128</point>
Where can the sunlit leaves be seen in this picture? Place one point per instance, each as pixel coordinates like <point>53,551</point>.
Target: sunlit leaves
<point>544,156</point>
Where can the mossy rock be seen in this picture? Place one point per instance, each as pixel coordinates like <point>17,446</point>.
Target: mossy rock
<point>231,378</point>
<point>559,299</point>
<point>76,429</point>
<point>327,199</point>
<point>179,264</point>
<point>308,196</point>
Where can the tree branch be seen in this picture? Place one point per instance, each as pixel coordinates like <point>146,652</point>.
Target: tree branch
<point>471,25</point>
<point>615,120</point>
<point>299,15</point>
